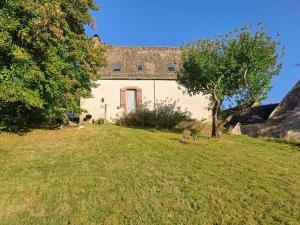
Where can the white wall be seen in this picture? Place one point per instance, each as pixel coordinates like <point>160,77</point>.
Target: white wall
<point>110,91</point>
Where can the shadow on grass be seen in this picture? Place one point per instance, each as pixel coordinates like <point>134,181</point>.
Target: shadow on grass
<point>3,151</point>
<point>201,139</point>
<point>294,143</point>
<point>153,129</point>
<point>24,130</point>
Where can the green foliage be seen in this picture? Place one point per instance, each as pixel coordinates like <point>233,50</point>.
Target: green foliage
<point>237,68</point>
<point>193,129</point>
<point>98,121</point>
<point>165,116</point>
<point>46,60</point>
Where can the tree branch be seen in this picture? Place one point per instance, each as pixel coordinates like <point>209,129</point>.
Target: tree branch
<point>254,100</point>
<point>234,112</point>
<point>239,110</point>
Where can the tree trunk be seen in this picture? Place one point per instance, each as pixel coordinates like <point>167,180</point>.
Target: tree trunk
<point>215,128</point>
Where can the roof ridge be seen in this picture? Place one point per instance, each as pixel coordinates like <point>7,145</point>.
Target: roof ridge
<point>147,47</point>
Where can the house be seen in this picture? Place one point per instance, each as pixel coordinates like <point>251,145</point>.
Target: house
<point>140,75</point>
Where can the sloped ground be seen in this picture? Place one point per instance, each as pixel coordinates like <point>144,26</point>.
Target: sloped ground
<point>113,175</point>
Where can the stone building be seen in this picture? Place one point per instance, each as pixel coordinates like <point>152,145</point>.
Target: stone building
<point>285,119</point>
<point>251,121</point>
<point>138,75</point>
<point>275,120</point>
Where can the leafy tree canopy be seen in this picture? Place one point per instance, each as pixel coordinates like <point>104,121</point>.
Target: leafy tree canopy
<point>46,60</point>
<point>236,68</point>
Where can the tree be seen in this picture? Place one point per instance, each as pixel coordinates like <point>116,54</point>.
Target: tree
<point>233,69</point>
<point>47,62</point>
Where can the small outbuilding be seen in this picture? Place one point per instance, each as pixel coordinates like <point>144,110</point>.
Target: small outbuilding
<point>284,122</point>
<point>275,120</point>
<point>250,122</point>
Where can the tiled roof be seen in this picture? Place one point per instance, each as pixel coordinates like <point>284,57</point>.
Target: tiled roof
<point>255,115</point>
<point>155,61</point>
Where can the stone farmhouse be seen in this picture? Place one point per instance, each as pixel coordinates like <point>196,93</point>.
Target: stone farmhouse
<point>135,76</point>
<point>140,75</point>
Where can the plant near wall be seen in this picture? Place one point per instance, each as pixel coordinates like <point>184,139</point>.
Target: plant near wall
<point>236,68</point>
<point>193,129</point>
<point>47,62</point>
<point>166,115</point>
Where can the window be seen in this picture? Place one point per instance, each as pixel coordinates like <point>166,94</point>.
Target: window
<point>131,101</point>
<point>139,68</point>
<point>171,68</point>
<point>117,68</point>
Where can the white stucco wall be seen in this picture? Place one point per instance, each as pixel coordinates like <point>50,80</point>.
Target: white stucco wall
<point>164,89</point>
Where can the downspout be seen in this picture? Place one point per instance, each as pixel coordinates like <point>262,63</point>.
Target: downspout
<point>154,103</point>
<point>105,112</point>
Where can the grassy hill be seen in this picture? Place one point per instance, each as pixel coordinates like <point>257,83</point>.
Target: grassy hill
<point>112,175</point>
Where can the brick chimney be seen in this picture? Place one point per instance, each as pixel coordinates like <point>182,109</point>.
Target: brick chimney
<point>96,41</point>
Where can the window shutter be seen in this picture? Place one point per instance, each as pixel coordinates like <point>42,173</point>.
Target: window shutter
<point>139,97</point>
<point>123,99</point>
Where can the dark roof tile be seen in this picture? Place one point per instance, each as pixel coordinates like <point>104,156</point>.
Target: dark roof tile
<point>154,59</point>
<point>255,115</point>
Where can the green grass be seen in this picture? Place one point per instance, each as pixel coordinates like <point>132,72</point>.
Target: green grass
<point>112,175</point>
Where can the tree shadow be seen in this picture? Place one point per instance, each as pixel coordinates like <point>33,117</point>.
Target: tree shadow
<point>3,151</point>
<point>294,143</point>
<point>27,129</point>
<point>154,130</point>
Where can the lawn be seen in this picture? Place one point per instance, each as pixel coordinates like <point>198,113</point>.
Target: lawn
<point>112,175</point>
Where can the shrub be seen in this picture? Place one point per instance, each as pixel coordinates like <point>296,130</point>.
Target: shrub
<point>165,116</point>
<point>98,121</point>
<point>193,129</point>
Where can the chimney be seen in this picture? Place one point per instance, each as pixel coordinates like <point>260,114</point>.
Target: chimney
<point>96,41</point>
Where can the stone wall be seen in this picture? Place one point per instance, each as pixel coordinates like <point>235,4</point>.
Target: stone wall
<point>252,130</point>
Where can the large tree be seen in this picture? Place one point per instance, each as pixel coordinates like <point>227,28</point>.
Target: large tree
<point>47,62</point>
<point>233,69</point>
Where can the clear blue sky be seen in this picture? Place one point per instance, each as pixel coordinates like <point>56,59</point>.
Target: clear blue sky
<point>172,22</point>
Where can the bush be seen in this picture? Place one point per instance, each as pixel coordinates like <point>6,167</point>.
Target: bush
<point>98,121</point>
<point>193,129</point>
<point>165,116</point>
